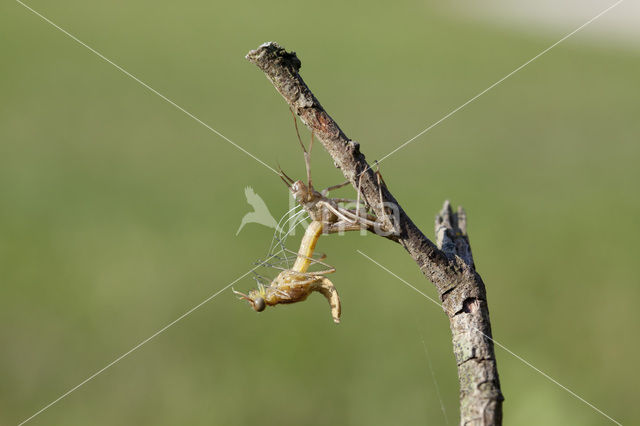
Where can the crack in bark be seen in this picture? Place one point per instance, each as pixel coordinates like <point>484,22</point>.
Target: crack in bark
<point>476,359</point>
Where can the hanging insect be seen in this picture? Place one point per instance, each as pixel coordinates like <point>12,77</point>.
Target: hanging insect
<point>328,215</point>
<point>330,211</point>
<point>296,284</point>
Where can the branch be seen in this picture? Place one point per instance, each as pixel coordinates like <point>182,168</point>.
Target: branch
<point>448,265</point>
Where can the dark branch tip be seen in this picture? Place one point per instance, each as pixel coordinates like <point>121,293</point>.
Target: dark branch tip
<point>271,52</point>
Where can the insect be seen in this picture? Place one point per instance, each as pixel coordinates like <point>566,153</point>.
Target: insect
<point>296,284</point>
<point>334,216</point>
<point>328,215</point>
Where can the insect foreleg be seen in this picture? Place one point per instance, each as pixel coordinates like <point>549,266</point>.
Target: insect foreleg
<point>326,191</point>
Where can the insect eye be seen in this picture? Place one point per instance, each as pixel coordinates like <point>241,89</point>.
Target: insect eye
<point>298,186</point>
<point>259,305</point>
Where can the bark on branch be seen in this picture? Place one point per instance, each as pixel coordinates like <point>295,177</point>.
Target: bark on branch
<point>447,264</point>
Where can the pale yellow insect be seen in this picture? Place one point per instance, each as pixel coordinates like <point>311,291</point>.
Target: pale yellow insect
<point>296,284</point>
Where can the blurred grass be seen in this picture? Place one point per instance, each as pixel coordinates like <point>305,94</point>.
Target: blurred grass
<point>118,213</point>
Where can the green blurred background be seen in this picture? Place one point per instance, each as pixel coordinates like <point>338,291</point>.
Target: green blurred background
<point>118,213</point>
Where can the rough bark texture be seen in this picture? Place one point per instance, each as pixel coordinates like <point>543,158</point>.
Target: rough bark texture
<point>448,265</point>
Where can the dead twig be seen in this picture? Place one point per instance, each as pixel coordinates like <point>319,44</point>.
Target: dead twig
<point>448,264</point>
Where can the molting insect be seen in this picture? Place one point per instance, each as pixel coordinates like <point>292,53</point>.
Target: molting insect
<point>332,212</point>
<point>328,215</point>
<point>296,284</point>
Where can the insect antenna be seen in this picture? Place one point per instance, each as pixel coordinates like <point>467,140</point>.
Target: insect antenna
<point>286,179</point>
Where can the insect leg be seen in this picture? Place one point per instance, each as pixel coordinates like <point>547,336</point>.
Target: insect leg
<point>335,211</point>
<point>343,226</point>
<point>358,197</point>
<point>320,273</point>
<point>295,123</point>
<point>380,182</point>
<point>307,162</point>
<point>307,154</point>
<point>326,191</point>
<point>313,260</point>
<point>347,200</point>
<point>355,218</point>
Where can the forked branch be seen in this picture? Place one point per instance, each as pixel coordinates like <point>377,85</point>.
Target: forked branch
<point>448,265</point>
